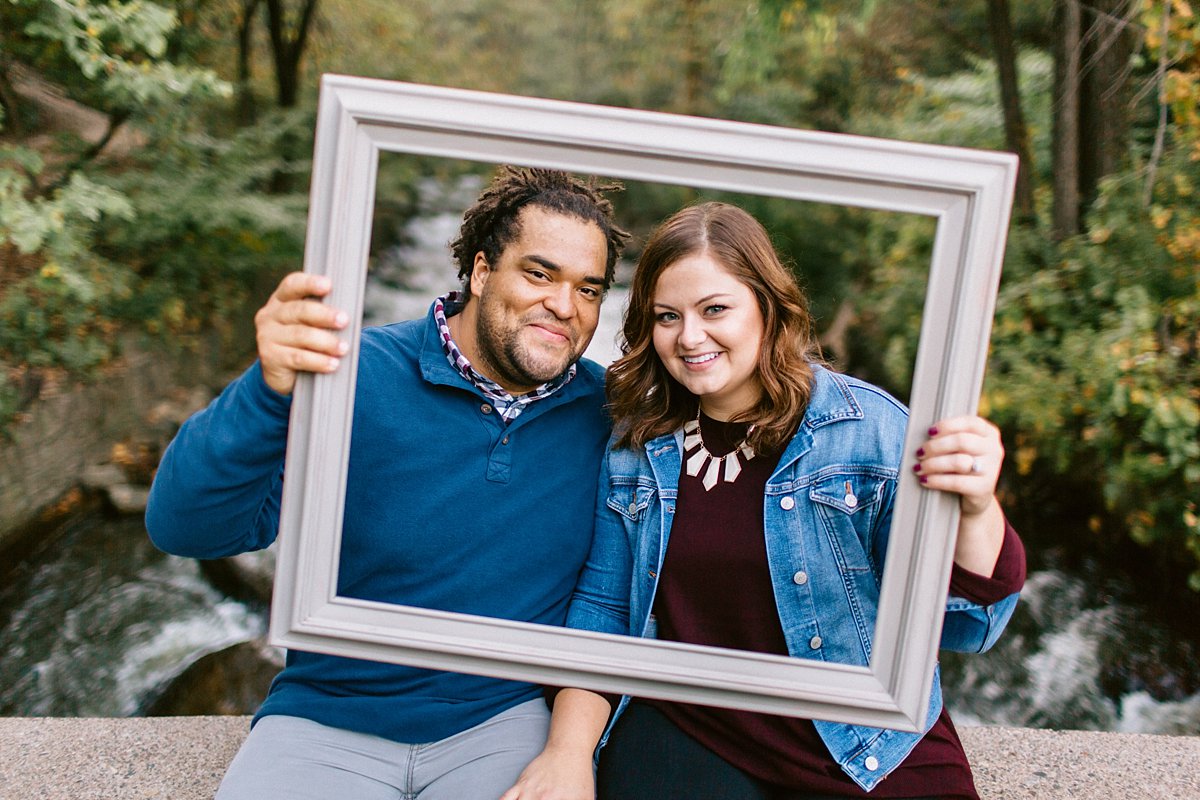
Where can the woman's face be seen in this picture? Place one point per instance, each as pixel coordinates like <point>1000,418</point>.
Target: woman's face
<point>708,330</point>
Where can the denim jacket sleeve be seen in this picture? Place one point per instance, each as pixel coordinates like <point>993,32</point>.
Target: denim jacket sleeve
<point>967,627</point>
<point>602,595</point>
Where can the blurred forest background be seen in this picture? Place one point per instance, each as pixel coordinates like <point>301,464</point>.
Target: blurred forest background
<point>167,211</point>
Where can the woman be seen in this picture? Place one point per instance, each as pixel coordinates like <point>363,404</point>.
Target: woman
<point>772,479</point>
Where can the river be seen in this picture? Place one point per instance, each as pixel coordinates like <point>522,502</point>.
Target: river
<point>97,622</point>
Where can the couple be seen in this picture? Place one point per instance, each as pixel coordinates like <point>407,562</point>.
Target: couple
<point>483,480</point>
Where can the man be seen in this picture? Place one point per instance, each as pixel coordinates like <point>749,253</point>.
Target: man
<point>477,438</point>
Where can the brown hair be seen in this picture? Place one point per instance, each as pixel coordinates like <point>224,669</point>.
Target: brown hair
<point>646,401</point>
<point>494,221</point>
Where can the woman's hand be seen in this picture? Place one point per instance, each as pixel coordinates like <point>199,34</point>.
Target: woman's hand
<point>554,775</point>
<point>963,455</point>
<point>563,771</point>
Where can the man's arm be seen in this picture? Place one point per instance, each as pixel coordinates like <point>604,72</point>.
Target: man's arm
<point>217,490</point>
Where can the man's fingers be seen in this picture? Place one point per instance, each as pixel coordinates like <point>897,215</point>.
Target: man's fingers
<point>298,285</point>
<point>298,360</point>
<point>303,337</point>
<point>303,312</point>
<point>298,333</point>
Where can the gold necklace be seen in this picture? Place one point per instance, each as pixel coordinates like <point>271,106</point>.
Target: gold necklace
<point>706,462</point>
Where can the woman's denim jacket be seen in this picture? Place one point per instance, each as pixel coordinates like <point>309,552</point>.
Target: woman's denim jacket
<point>828,508</point>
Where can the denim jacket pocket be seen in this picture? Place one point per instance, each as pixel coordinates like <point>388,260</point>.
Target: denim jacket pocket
<point>630,500</point>
<point>848,505</point>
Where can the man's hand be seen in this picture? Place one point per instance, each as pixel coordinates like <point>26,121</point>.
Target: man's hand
<point>295,331</point>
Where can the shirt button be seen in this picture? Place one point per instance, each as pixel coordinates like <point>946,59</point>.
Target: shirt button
<point>485,408</point>
<point>787,503</point>
<point>504,440</point>
<point>800,578</point>
<point>815,642</point>
<point>872,763</point>
<point>632,509</point>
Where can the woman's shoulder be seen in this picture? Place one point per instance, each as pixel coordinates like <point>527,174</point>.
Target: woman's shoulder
<point>625,458</point>
<point>842,395</point>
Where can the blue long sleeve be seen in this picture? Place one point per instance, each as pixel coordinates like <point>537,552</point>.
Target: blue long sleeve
<point>217,490</point>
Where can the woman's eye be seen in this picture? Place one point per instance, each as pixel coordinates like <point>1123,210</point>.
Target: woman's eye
<point>710,310</point>
<point>665,317</point>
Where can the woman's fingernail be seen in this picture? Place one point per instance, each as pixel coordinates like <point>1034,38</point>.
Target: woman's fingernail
<point>923,479</point>
<point>916,467</point>
<point>933,431</point>
<point>341,319</point>
<point>920,452</point>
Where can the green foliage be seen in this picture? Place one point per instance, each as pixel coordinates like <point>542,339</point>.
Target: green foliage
<point>68,289</point>
<point>56,292</point>
<point>119,47</point>
<point>206,234</point>
<point>1094,372</point>
<point>1096,364</point>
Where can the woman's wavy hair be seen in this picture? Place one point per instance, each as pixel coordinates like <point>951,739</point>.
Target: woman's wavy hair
<point>493,222</point>
<point>645,400</point>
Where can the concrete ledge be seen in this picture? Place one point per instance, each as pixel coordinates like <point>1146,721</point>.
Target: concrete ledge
<point>183,758</point>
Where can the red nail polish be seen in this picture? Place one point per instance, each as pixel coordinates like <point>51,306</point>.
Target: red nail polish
<point>923,479</point>
<point>916,467</point>
<point>920,452</point>
<point>933,431</point>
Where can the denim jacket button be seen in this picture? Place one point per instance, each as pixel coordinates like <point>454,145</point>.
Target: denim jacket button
<point>632,509</point>
<point>485,408</point>
<point>787,503</point>
<point>815,642</point>
<point>872,763</point>
<point>800,578</point>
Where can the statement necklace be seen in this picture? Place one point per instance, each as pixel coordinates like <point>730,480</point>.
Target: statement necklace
<point>706,462</point>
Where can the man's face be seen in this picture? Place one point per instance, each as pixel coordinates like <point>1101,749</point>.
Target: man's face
<point>538,307</point>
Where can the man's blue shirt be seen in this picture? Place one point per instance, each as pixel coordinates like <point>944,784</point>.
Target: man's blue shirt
<point>447,507</point>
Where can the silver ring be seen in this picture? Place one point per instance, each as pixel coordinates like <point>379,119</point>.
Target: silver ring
<point>976,465</point>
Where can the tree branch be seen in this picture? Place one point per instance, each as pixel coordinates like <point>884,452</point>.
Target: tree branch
<point>1160,133</point>
<point>115,120</point>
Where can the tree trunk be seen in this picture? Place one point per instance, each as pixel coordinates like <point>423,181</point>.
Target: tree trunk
<point>287,48</point>
<point>1104,98</point>
<point>246,107</point>
<point>1094,45</point>
<point>694,58</point>
<point>1016,135</point>
<point>1068,42</point>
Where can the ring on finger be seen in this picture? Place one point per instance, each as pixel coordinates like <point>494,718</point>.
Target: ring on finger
<point>976,465</point>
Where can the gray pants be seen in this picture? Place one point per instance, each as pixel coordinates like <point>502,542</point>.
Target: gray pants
<point>298,759</point>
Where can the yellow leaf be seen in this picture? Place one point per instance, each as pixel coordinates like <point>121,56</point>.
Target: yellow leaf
<point>1025,457</point>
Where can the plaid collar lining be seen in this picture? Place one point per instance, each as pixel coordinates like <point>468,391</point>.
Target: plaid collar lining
<point>508,406</point>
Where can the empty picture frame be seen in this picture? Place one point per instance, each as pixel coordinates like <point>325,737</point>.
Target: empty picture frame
<point>969,193</point>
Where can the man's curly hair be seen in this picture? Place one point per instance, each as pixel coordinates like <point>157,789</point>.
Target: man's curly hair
<point>493,222</point>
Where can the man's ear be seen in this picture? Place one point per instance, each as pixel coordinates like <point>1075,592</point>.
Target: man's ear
<point>480,270</point>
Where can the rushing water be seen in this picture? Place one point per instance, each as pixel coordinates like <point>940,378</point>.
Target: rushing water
<point>97,622</point>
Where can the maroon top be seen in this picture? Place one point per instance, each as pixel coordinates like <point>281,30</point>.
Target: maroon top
<point>715,590</point>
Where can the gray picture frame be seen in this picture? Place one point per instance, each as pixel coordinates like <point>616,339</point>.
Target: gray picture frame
<point>968,192</point>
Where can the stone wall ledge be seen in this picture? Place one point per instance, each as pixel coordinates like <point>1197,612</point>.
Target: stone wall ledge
<point>183,758</point>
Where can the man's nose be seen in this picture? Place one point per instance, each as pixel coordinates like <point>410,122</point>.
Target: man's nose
<point>561,301</point>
